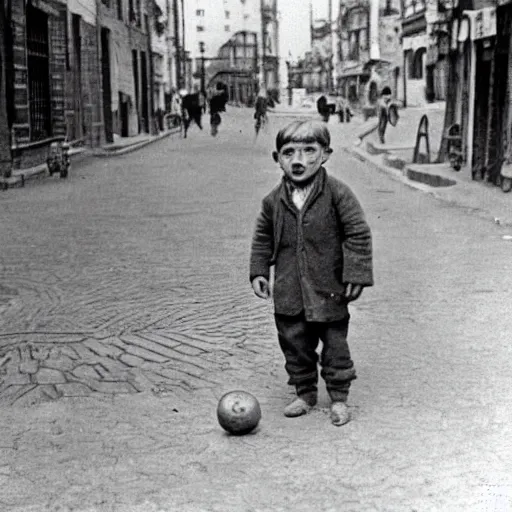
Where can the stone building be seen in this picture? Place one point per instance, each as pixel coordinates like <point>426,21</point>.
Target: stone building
<point>84,121</point>
<point>369,52</point>
<point>38,96</point>
<point>126,65</point>
<point>425,46</point>
<point>210,25</point>
<point>236,65</point>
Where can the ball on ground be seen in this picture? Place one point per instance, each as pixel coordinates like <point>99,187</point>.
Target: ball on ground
<point>238,412</point>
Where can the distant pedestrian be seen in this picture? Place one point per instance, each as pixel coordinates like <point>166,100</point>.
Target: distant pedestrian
<point>218,101</point>
<point>383,107</point>
<point>343,110</point>
<point>313,231</point>
<point>263,102</point>
<point>323,109</point>
<point>193,111</point>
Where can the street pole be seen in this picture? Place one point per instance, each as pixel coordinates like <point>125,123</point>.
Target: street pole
<point>177,48</point>
<point>263,78</point>
<point>201,51</point>
<point>184,60</point>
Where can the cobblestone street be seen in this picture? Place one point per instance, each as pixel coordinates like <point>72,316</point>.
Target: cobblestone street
<point>126,312</point>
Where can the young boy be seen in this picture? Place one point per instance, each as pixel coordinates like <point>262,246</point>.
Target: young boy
<point>383,106</point>
<point>313,231</point>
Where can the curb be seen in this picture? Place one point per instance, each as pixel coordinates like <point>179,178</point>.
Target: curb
<point>21,176</point>
<point>422,182</point>
<point>414,178</point>
<point>108,153</point>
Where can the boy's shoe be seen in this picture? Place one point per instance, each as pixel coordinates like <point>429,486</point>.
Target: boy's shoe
<point>298,407</point>
<point>339,414</point>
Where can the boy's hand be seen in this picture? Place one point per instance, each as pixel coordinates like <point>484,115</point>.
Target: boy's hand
<point>261,287</point>
<point>353,291</point>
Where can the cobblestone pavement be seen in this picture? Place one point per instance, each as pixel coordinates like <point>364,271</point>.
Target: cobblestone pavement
<point>126,313</point>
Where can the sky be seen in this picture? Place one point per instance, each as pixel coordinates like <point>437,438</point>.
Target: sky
<point>294,25</point>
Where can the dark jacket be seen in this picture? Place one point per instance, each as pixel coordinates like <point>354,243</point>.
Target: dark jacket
<point>315,251</point>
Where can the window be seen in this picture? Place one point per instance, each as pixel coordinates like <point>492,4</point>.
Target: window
<point>227,14</point>
<point>412,7</point>
<point>200,28</point>
<point>38,60</point>
<point>357,33</point>
<point>416,63</point>
<point>138,13</point>
<point>200,12</point>
<point>226,28</point>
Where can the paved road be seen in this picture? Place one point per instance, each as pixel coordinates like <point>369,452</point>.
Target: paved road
<point>126,313</point>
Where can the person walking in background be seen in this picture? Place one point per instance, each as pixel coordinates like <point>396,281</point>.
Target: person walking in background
<point>193,111</point>
<point>383,107</point>
<point>323,108</point>
<point>218,101</point>
<point>343,110</point>
<point>261,106</point>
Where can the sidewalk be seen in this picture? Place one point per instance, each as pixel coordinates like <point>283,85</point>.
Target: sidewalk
<point>120,146</point>
<point>440,180</point>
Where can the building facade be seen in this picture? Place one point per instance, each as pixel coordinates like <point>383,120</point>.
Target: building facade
<point>369,53</point>
<point>237,66</point>
<point>479,99</point>
<point>126,65</point>
<point>84,117</point>
<point>212,26</point>
<point>425,31</point>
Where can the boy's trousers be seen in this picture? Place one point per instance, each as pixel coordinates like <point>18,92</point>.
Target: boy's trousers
<point>299,340</point>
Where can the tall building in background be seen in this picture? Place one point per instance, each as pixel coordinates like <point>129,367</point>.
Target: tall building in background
<point>213,22</point>
<point>228,31</point>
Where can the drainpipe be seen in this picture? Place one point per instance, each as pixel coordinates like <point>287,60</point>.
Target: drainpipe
<point>471,106</point>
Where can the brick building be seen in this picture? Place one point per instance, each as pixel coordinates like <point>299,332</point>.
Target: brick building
<point>39,73</point>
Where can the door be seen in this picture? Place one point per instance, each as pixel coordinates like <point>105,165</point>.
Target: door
<point>79,127</point>
<point>144,92</point>
<point>105,81</point>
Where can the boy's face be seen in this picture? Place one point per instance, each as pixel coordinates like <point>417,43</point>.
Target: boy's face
<point>301,160</point>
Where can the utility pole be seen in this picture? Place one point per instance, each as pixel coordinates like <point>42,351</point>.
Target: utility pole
<point>177,47</point>
<point>184,56</point>
<point>263,77</point>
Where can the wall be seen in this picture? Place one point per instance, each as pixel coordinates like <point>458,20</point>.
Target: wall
<point>83,106</point>
<point>125,37</point>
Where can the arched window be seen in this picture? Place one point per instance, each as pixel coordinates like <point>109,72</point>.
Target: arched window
<point>417,64</point>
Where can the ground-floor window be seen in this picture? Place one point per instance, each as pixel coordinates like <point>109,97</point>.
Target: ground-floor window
<point>38,73</point>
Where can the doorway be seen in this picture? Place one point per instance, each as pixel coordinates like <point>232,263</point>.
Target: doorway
<point>105,81</point>
<point>144,92</point>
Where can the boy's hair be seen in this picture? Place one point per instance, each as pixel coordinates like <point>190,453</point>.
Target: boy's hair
<point>386,91</point>
<point>304,131</point>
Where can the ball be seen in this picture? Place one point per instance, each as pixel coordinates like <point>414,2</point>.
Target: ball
<point>238,412</point>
